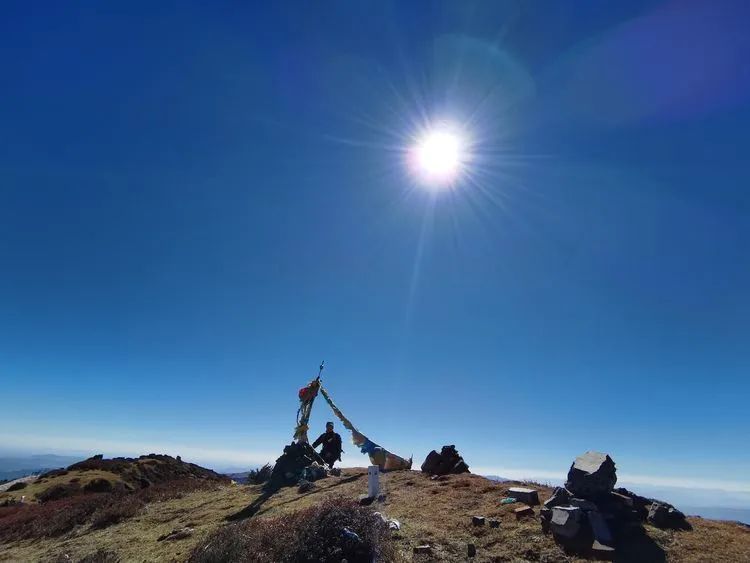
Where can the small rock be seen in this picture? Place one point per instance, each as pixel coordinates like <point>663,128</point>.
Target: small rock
<point>365,500</point>
<point>422,549</point>
<point>521,494</point>
<point>494,523</point>
<point>477,520</point>
<point>471,550</point>
<point>522,511</point>
<point>601,551</point>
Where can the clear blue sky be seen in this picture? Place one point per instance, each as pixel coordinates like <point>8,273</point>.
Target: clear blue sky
<point>200,202</point>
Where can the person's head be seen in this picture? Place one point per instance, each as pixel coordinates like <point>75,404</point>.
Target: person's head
<point>329,426</point>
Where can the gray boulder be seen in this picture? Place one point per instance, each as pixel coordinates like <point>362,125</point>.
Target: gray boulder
<point>477,520</point>
<point>522,494</point>
<point>592,475</point>
<point>566,521</point>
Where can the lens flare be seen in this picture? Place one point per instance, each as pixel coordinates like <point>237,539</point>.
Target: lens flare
<point>438,157</point>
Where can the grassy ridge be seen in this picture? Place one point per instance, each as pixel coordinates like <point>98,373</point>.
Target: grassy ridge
<point>434,512</point>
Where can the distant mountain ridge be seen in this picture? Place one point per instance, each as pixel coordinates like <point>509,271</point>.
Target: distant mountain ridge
<point>13,467</point>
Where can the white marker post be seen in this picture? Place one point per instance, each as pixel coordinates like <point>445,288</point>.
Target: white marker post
<point>373,481</point>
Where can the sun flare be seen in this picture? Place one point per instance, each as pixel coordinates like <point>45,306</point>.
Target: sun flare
<point>438,157</point>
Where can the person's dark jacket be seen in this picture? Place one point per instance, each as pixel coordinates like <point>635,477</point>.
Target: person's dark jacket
<point>331,445</point>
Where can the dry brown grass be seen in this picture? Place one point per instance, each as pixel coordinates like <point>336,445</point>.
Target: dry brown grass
<point>711,541</point>
<point>57,515</point>
<point>312,535</point>
<point>434,512</point>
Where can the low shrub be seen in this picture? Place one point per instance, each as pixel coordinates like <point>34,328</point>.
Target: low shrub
<point>53,518</point>
<point>64,507</point>
<point>53,473</point>
<point>58,492</point>
<point>66,514</point>
<point>175,489</point>
<point>331,531</point>
<point>119,508</point>
<point>98,485</point>
<point>17,486</point>
<point>10,509</point>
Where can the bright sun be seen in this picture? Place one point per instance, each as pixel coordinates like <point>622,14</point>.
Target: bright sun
<point>438,157</point>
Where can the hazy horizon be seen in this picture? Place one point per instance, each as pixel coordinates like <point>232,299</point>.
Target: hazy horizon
<point>705,498</point>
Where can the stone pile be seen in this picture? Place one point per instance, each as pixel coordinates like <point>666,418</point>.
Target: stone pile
<point>448,461</point>
<point>299,461</point>
<point>588,516</point>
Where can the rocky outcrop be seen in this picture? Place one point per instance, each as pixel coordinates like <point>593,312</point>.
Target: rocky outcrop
<point>448,461</point>
<point>589,517</point>
<point>146,470</point>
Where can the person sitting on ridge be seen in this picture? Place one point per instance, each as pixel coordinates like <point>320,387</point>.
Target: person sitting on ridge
<point>331,441</point>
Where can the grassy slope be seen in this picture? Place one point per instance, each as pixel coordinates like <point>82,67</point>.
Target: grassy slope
<point>434,512</point>
<point>127,474</point>
<point>82,477</point>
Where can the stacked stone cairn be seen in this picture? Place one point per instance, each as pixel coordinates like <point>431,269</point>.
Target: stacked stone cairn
<point>298,462</point>
<point>588,516</point>
<point>447,462</point>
